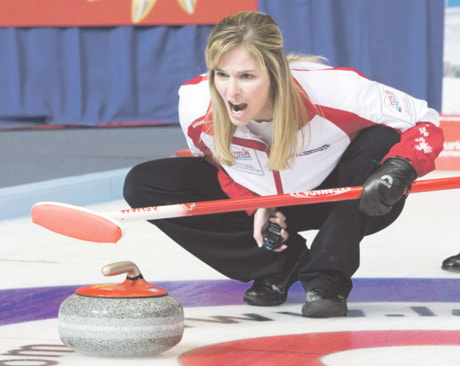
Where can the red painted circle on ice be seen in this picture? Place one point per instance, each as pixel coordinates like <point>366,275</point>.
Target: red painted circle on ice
<point>309,349</point>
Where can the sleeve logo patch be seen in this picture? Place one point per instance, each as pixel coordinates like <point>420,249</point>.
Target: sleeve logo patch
<point>396,104</point>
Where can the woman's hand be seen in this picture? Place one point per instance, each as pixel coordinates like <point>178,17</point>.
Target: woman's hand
<point>261,217</point>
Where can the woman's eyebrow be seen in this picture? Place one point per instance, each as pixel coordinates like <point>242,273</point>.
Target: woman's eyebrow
<point>249,71</point>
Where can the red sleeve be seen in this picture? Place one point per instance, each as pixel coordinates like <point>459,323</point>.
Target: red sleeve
<point>420,144</point>
<point>233,189</point>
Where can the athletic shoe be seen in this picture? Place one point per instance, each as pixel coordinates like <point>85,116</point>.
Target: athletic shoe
<point>324,304</point>
<point>272,292</point>
<point>452,263</point>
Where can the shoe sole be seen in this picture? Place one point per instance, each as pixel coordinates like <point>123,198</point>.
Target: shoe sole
<point>254,301</point>
<point>324,309</point>
<point>451,268</point>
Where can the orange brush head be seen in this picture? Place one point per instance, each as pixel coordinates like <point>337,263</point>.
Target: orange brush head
<point>76,222</point>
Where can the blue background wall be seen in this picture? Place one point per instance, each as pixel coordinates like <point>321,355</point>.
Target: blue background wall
<point>89,76</point>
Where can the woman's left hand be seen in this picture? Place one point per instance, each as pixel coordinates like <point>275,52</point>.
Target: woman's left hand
<point>261,217</point>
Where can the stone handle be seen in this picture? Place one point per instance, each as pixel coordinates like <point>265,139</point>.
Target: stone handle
<point>130,268</point>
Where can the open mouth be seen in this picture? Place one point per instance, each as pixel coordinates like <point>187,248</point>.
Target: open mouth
<point>237,107</point>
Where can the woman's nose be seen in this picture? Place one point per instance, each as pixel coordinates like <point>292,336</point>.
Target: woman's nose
<point>234,88</point>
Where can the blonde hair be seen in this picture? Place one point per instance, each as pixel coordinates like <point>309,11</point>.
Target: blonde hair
<point>262,38</point>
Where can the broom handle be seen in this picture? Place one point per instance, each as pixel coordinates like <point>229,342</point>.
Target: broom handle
<point>279,200</point>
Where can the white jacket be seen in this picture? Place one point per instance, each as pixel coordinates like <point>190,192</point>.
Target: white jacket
<point>348,103</point>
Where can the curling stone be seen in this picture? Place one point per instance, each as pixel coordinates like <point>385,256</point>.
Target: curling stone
<point>130,319</point>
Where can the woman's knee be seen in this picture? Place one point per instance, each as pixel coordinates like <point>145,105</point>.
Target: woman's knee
<point>134,184</point>
<point>376,140</point>
<point>171,180</point>
<point>364,155</point>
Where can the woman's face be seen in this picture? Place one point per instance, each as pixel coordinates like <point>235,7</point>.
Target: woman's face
<point>244,86</point>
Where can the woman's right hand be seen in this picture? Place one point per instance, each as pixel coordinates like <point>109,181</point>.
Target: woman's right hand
<point>261,217</point>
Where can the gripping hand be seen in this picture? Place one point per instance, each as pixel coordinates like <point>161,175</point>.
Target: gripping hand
<point>386,186</point>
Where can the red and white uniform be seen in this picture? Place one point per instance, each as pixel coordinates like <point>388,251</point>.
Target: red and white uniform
<point>342,103</point>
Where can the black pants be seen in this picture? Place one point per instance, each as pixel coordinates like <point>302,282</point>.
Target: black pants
<point>225,241</point>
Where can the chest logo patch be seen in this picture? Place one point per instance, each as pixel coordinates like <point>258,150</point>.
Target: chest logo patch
<point>247,161</point>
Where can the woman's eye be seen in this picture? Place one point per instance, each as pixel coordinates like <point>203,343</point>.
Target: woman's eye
<point>221,74</point>
<point>247,76</point>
